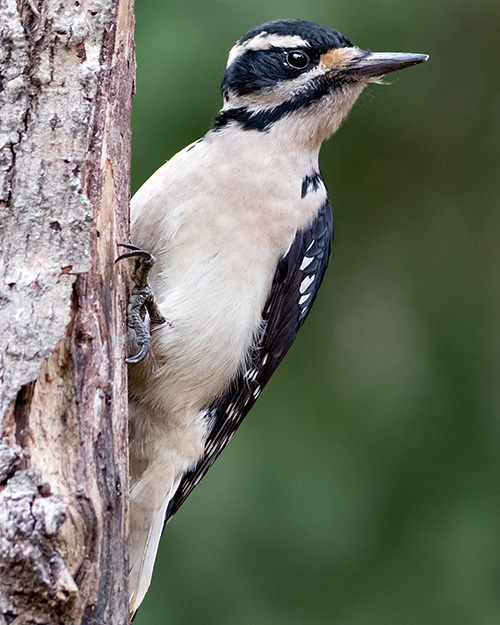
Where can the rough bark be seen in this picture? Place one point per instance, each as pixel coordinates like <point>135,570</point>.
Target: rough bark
<point>66,80</point>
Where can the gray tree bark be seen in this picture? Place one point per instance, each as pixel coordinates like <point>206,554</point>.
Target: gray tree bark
<point>67,72</point>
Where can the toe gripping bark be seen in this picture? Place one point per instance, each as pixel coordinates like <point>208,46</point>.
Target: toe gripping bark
<point>141,300</point>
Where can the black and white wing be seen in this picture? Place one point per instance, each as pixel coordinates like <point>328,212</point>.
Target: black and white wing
<point>296,282</point>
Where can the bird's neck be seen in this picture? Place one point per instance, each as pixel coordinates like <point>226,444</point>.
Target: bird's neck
<point>267,150</point>
<point>292,124</point>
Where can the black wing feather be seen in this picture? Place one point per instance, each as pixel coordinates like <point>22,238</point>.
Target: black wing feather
<point>296,282</point>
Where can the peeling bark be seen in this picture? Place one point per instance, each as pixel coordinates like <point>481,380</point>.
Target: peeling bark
<point>66,81</point>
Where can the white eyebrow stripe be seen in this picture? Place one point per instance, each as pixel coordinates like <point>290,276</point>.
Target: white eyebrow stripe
<point>265,41</point>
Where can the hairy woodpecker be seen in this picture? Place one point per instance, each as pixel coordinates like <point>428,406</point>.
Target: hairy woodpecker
<point>241,228</point>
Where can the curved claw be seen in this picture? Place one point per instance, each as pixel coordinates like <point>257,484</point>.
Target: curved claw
<point>129,246</point>
<point>138,357</point>
<point>141,299</point>
<point>149,258</point>
<point>136,252</point>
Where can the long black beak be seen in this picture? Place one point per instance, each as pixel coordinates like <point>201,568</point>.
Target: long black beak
<point>380,63</point>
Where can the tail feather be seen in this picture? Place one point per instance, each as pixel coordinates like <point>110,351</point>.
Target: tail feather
<point>144,542</point>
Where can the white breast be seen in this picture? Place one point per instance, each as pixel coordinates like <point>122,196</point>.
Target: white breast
<point>217,217</point>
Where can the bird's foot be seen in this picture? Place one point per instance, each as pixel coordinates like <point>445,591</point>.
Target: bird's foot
<point>141,300</point>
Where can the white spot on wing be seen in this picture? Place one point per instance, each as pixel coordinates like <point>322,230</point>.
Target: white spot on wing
<point>304,299</point>
<point>306,261</point>
<point>306,282</point>
<point>232,414</point>
<point>251,374</point>
<point>209,447</point>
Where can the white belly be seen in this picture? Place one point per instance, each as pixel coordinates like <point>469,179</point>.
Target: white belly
<point>217,218</point>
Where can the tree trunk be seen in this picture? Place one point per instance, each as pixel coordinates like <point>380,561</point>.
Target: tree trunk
<point>66,80</point>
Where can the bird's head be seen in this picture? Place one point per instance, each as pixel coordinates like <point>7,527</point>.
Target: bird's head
<point>299,79</point>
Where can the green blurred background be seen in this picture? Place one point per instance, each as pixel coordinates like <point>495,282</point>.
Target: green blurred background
<point>364,487</point>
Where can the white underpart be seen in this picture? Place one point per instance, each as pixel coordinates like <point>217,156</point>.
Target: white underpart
<point>265,41</point>
<point>218,216</point>
<point>312,125</point>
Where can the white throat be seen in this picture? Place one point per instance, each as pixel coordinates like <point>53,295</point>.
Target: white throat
<point>305,128</point>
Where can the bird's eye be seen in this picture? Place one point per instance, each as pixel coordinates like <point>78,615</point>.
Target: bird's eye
<point>297,60</point>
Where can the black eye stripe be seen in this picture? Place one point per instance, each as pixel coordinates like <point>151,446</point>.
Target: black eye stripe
<point>297,59</point>
<point>257,70</point>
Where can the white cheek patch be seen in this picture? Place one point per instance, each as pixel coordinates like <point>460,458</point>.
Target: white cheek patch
<point>265,41</point>
<point>280,93</point>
